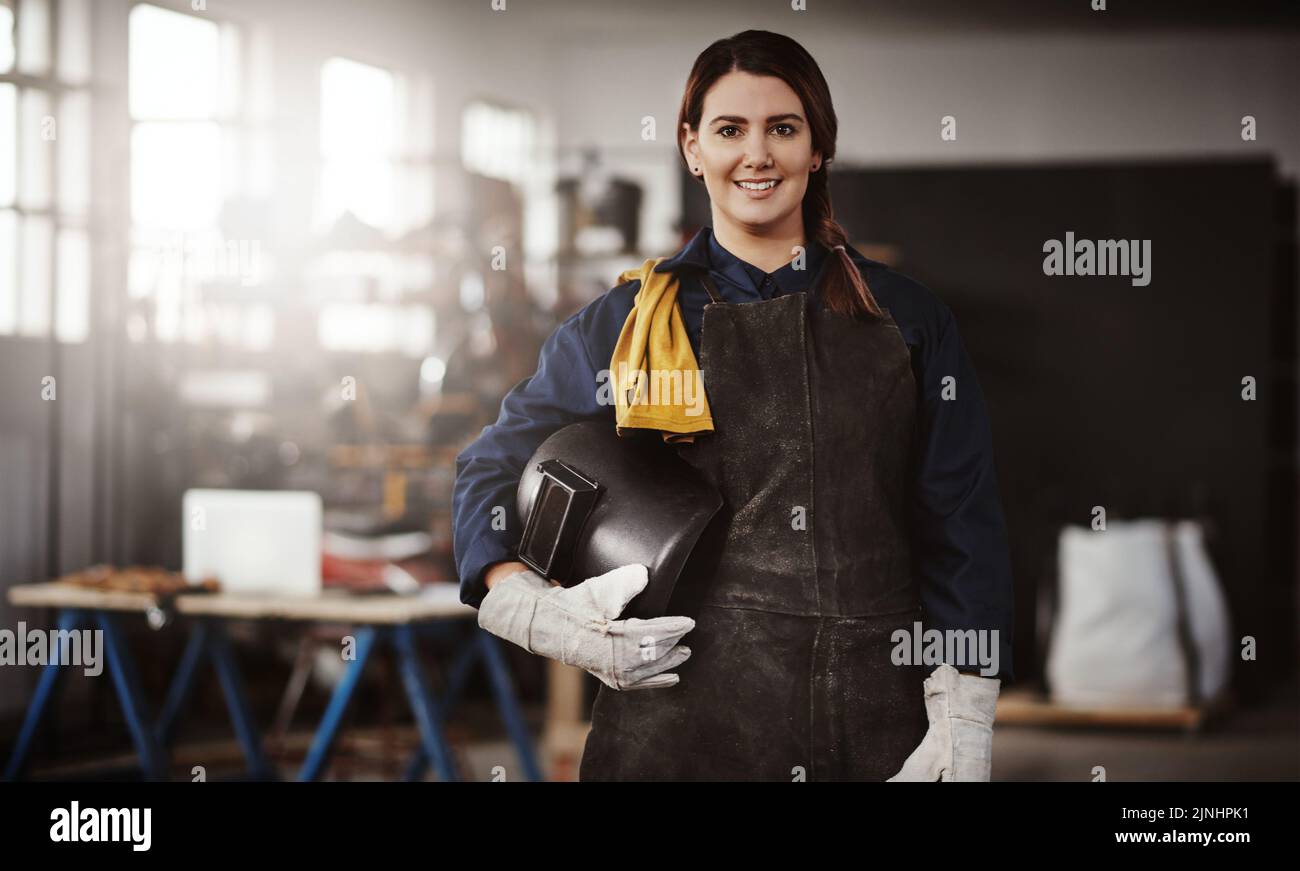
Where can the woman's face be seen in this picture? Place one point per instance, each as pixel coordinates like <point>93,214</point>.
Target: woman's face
<point>753,127</point>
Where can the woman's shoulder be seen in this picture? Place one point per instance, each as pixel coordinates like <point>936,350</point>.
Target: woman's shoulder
<point>612,306</point>
<point>919,312</point>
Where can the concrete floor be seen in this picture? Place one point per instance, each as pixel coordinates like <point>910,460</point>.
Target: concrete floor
<point>1257,743</point>
<point>1025,754</point>
<point>1261,744</point>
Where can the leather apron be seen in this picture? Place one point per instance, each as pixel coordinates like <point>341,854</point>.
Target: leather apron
<point>805,573</point>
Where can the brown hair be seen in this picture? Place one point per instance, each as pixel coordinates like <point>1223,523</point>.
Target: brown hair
<point>763,53</point>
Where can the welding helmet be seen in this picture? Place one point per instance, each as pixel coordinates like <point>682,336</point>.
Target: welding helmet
<point>592,500</point>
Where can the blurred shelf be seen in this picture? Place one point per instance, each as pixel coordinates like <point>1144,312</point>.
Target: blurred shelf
<point>415,457</point>
<point>1023,707</point>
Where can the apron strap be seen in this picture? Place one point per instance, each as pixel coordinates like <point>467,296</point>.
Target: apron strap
<point>711,287</point>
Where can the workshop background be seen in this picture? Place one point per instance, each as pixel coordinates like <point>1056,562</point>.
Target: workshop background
<point>254,245</point>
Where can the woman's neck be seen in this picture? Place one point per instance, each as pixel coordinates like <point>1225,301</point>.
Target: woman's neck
<point>768,253</point>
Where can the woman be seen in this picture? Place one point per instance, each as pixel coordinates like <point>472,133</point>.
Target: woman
<point>851,445</point>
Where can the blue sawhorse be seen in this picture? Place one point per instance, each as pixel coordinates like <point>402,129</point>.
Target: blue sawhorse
<point>429,713</point>
<point>208,638</point>
<point>484,647</point>
<point>153,763</point>
<point>150,741</point>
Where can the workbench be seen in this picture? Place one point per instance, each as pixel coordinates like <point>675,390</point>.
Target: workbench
<point>382,618</point>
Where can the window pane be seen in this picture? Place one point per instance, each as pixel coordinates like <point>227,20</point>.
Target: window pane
<point>8,142</point>
<point>497,142</point>
<point>37,142</point>
<point>74,153</point>
<point>8,273</point>
<point>34,277</point>
<point>245,163</point>
<point>363,187</point>
<point>258,170</point>
<point>357,127</point>
<point>415,96</point>
<point>415,196</point>
<point>6,36</point>
<point>74,41</point>
<point>34,37</point>
<point>176,179</point>
<point>357,117</point>
<point>174,64</point>
<point>145,269</point>
<point>228,85</point>
<point>72,322</point>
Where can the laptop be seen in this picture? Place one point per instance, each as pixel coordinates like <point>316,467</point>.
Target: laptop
<point>253,541</point>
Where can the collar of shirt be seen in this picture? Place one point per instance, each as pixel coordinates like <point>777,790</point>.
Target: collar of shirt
<point>705,252</point>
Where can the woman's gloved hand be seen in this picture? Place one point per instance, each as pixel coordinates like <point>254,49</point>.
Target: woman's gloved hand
<point>959,743</point>
<point>579,626</point>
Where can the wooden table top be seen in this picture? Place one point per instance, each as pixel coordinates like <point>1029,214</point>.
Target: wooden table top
<point>434,602</point>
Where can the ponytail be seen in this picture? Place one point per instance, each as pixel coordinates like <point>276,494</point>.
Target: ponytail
<point>842,289</point>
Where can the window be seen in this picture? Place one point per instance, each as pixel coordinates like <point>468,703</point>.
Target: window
<point>498,142</point>
<point>358,121</point>
<point>199,149</point>
<point>509,144</point>
<point>6,35</point>
<point>374,199</point>
<point>44,169</point>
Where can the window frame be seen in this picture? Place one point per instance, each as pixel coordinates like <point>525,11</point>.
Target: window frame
<point>239,121</point>
<point>56,90</point>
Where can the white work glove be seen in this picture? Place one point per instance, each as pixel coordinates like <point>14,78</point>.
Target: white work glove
<point>578,626</point>
<point>959,744</point>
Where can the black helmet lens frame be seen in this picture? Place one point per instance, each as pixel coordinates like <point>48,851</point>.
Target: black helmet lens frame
<point>561,505</point>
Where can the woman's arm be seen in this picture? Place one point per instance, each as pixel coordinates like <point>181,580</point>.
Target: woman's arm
<point>497,571</point>
<point>485,526</point>
<point>962,556</point>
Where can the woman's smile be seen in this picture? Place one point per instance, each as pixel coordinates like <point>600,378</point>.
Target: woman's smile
<point>758,188</point>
